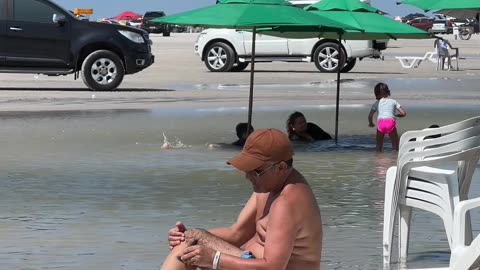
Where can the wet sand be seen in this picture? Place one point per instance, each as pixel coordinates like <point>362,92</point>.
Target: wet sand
<point>179,79</point>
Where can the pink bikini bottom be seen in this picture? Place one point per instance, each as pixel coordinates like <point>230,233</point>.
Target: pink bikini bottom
<point>386,126</point>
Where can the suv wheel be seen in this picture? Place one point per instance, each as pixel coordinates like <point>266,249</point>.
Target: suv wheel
<point>349,64</point>
<point>166,34</point>
<point>241,66</point>
<point>326,57</point>
<point>219,57</point>
<point>102,70</point>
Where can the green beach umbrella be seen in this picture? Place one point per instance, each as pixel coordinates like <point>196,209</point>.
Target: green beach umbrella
<point>421,4</point>
<point>249,15</point>
<point>354,13</point>
<point>361,16</point>
<point>454,8</point>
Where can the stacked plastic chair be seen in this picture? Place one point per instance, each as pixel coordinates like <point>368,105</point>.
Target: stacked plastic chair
<point>424,179</point>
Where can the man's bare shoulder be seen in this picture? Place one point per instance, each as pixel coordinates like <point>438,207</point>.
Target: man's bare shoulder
<point>294,196</point>
<point>296,186</point>
<point>297,193</point>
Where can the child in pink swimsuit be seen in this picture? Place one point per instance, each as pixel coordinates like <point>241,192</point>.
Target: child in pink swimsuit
<point>386,109</point>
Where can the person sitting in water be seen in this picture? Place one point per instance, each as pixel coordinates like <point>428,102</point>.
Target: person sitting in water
<point>299,130</point>
<point>429,137</point>
<point>434,136</point>
<point>270,232</point>
<point>242,134</point>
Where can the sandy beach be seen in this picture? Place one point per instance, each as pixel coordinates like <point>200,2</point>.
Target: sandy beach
<point>180,79</point>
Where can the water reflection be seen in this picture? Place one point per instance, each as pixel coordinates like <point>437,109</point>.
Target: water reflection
<point>95,190</point>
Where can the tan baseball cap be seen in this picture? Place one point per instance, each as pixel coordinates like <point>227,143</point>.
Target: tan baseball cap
<point>262,146</point>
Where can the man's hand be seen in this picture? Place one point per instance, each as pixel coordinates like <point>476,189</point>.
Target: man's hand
<point>371,125</point>
<point>200,256</point>
<point>176,235</point>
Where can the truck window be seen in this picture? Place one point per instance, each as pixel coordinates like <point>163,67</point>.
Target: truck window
<point>33,11</point>
<point>154,14</point>
<point>3,10</point>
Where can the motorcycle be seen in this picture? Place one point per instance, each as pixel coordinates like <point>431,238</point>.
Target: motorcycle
<point>465,31</point>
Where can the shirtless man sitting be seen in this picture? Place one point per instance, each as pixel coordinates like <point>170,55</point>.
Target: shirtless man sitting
<point>279,228</point>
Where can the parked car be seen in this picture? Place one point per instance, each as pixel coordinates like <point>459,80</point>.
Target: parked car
<point>423,23</point>
<point>442,26</point>
<point>178,28</point>
<point>136,23</point>
<point>151,27</point>
<point>412,16</point>
<point>43,38</point>
<point>105,20</point>
<point>230,50</point>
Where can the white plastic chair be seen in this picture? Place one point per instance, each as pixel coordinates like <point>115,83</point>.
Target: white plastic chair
<point>420,134</point>
<point>394,190</point>
<point>463,256</point>
<point>445,187</point>
<point>425,187</point>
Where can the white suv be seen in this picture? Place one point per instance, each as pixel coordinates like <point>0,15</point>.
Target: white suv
<point>230,50</point>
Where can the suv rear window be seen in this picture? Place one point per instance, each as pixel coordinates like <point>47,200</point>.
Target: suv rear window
<point>154,14</point>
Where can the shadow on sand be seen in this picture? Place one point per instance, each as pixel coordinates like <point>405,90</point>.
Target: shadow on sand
<point>312,72</point>
<point>63,89</point>
<point>61,114</point>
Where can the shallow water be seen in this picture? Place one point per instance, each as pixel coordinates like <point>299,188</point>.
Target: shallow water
<point>83,190</point>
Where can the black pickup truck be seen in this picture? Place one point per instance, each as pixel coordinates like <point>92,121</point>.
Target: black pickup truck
<point>158,28</point>
<point>40,37</point>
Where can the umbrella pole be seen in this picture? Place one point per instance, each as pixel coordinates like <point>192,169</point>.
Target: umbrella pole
<point>252,72</point>
<point>338,85</point>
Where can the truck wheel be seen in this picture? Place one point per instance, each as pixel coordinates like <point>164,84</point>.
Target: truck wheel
<point>102,70</point>
<point>326,57</point>
<point>166,34</point>
<point>219,57</point>
<point>241,66</point>
<point>349,64</point>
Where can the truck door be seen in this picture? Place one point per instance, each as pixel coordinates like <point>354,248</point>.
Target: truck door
<point>3,31</point>
<point>265,45</point>
<point>34,39</point>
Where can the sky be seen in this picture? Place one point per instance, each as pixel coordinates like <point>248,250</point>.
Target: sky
<point>111,8</point>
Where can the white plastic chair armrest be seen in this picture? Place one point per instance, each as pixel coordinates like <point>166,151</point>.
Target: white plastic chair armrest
<point>459,219</point>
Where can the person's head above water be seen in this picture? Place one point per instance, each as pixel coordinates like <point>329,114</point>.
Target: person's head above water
<point>296,123</point>
<point>241,130</point>
<point>262,146</point>
<point>381,91</point>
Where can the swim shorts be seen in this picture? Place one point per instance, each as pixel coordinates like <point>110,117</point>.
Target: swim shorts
<point>247,255</point>
<point>386,126</point>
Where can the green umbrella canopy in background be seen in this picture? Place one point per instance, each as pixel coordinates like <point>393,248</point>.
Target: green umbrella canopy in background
<point>250,14</point>
<point>359,15</point>
<point>421,4</point>
<point>246,14</point>
<point>454,8</point>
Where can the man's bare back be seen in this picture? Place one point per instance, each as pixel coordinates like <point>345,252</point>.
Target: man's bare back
<point>307,248</point>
